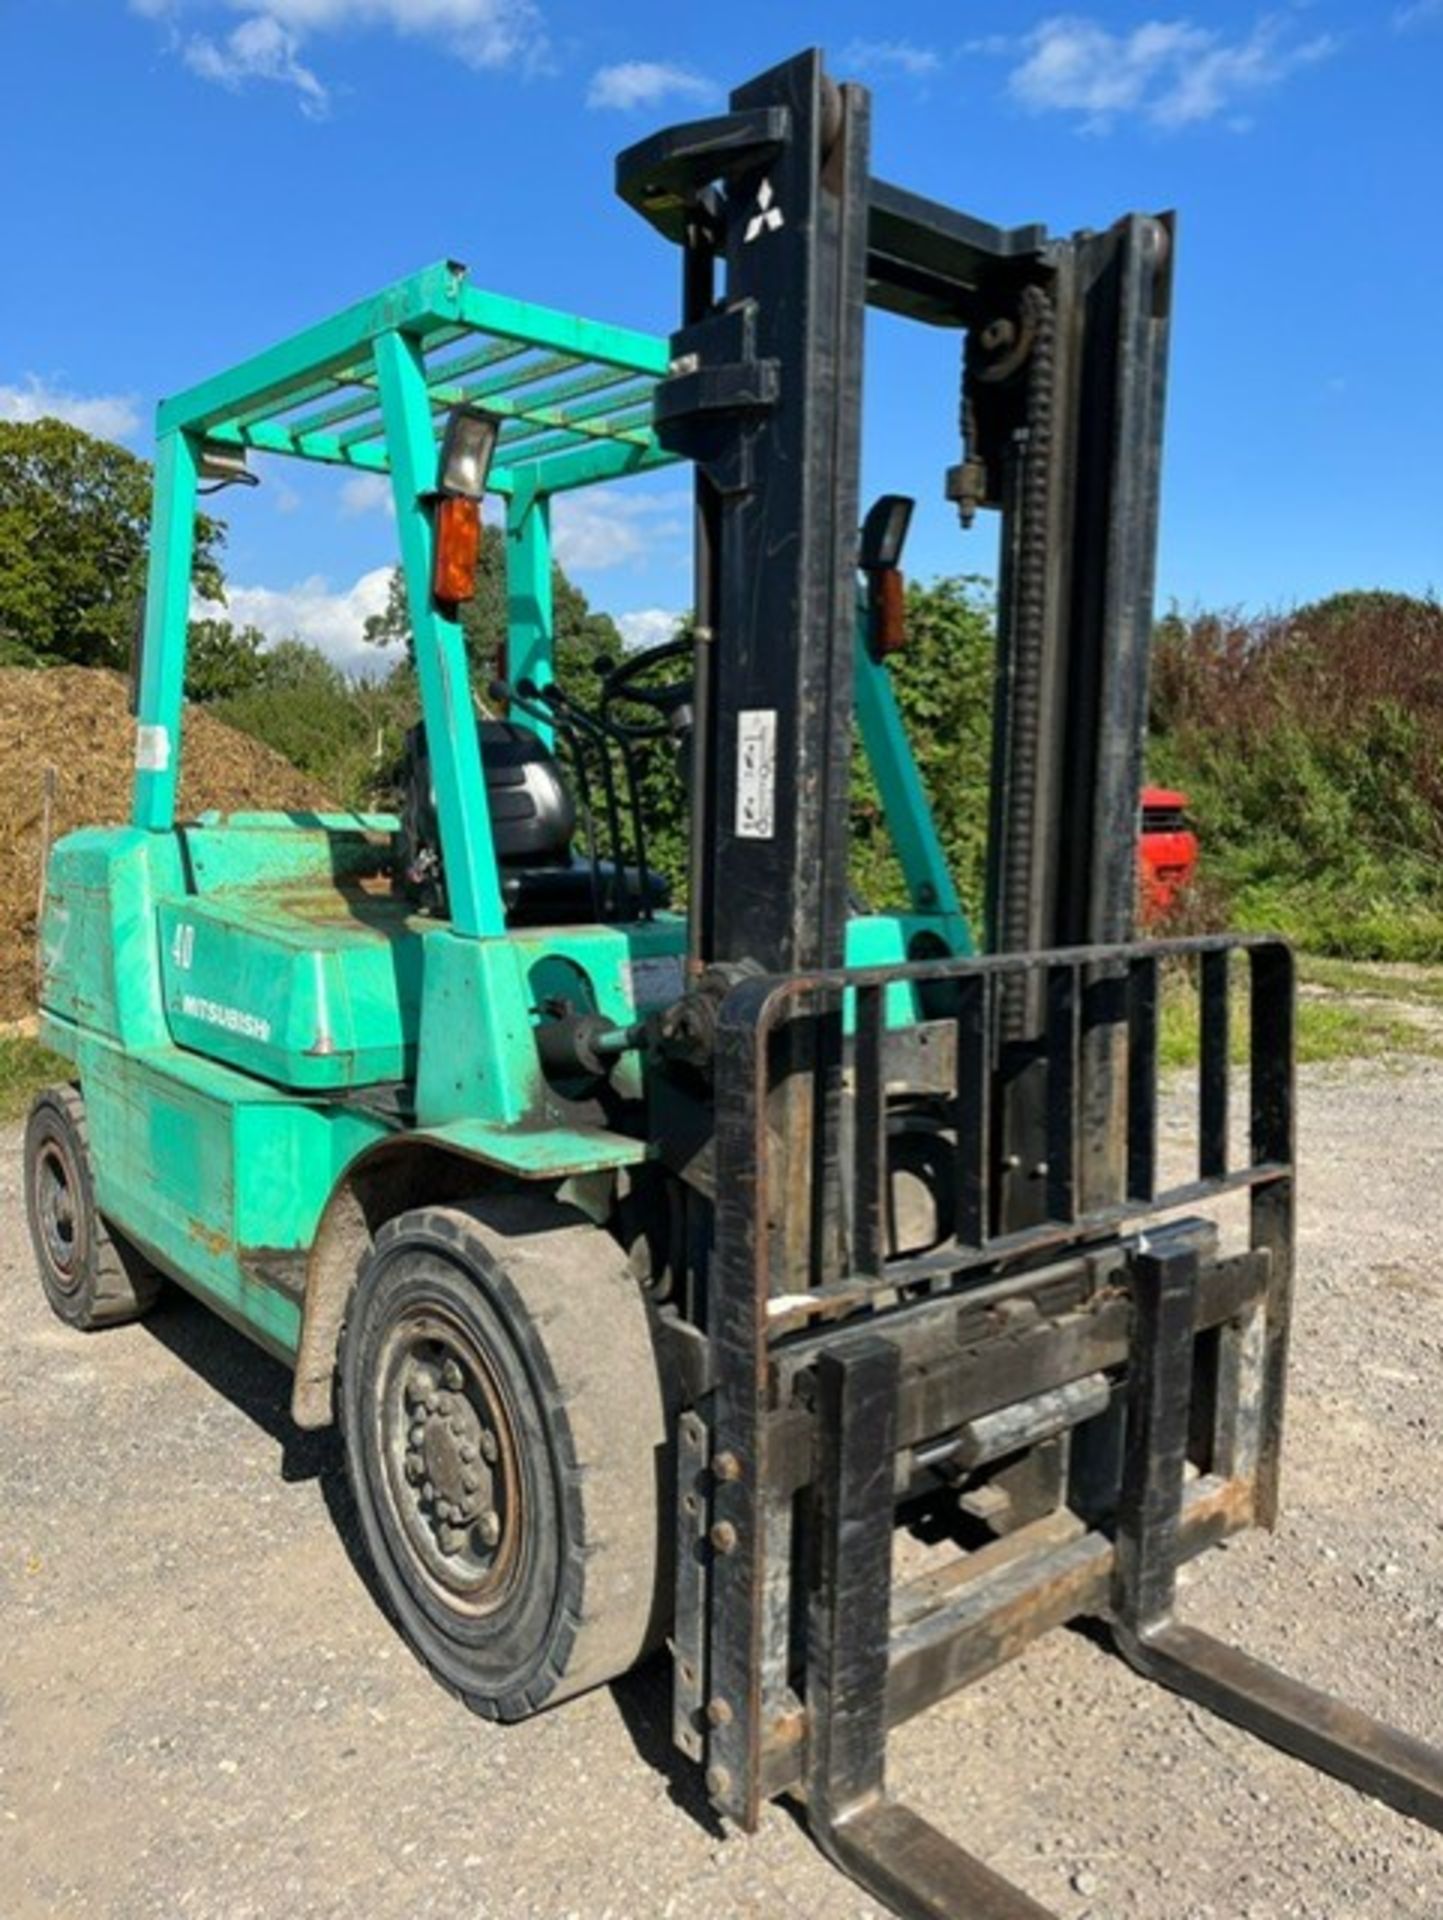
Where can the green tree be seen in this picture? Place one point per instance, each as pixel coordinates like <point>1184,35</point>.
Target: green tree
<point>222,659</point>
<point>74,522</point>
<point>345,732</point>
<point>583,635</point>
<point>295,666</point>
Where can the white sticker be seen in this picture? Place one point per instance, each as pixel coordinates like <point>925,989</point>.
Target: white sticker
<point>757,773</point>
<point>656,980</point>
<point>152,749</point>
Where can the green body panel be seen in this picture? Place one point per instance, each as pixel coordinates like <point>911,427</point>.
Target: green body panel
<point>285,958</point>
<point>287,985</point>
<point>550,1153</point>
<point>221,1179</point>
<point>204,1152</point>
<point>891,939</point>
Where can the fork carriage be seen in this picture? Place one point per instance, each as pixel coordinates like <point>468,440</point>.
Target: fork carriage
<point>1080,1404</point>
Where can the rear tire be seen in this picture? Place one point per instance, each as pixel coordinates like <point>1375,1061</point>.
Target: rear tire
<point>506,1442</point>
<point>91,1276</point>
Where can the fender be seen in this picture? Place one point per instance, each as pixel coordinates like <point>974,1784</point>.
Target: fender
<point>450,1162</point>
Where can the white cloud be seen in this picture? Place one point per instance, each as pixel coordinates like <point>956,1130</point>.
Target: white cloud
<point>366,493</point>
<point>310,610</point>
<point>111,416</point>
<point>267,42</point>
<point>593,531</point>
<point>647,627</point>
<point>1170,73</point>
<point>892,56</point>
<point>644,83</point>
<point>260,48</point>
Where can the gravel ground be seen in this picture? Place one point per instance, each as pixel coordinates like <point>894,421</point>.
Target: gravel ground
<point>202,1712</point>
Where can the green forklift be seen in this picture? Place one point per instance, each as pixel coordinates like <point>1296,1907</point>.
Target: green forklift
<point>665,1263</point>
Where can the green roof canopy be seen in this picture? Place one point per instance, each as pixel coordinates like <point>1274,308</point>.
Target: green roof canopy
<point>575,394</point>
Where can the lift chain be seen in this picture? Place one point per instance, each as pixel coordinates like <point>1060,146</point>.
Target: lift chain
<point>1029,567</point>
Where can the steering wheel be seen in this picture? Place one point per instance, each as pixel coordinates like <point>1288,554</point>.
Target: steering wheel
<point>669,703</point>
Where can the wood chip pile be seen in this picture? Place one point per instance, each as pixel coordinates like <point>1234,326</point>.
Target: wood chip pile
<point>76,719</point>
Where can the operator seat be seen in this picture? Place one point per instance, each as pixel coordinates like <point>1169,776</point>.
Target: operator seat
<point>533,826</point>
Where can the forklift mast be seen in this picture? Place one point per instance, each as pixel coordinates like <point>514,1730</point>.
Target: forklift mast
<point>1061,416</point>
<point>1077,1404</point>
<point>1062,384</point>
<point>1062,413</point>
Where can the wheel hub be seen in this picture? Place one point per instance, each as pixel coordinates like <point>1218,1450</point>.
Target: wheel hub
<point>448,1441</point>
<point>55,1205</point>
<point>449,1456</point>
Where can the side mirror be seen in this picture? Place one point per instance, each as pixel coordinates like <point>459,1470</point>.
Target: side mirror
<point>884,534</point>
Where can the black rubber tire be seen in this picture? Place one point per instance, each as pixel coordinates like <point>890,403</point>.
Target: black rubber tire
<point>92,1278</point>
<point>551,1302</point>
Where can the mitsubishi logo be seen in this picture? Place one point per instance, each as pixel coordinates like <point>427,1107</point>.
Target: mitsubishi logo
<point>767,218</point>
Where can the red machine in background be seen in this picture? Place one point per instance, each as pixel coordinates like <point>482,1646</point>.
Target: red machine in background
<point>1167,853</point>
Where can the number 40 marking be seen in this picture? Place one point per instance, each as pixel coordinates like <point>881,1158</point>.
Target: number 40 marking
<point>182,947</point>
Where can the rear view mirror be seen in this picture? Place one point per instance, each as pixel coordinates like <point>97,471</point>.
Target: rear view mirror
<point>884,532</point>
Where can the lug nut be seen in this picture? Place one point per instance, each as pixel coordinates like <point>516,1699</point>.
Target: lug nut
<point>718,1782</point>
<point>489,1527</point>
<point>415,1468</point>
<point>489,1448</point>
<point>452,1375</point>
<point>726,1466</point>
<point>719,1712</point>
<point>724,1536</point>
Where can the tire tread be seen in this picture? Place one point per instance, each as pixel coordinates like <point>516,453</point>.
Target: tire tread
<point>123,1284</point>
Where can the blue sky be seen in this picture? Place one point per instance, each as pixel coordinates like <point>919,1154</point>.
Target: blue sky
<point>185,180</point>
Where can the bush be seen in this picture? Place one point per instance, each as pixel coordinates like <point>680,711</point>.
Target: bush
<point>347,734</point>
<point>1311,747</point>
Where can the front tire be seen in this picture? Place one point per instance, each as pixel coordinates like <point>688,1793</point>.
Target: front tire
<point>505,1438</point>
<point>91,1276</point>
